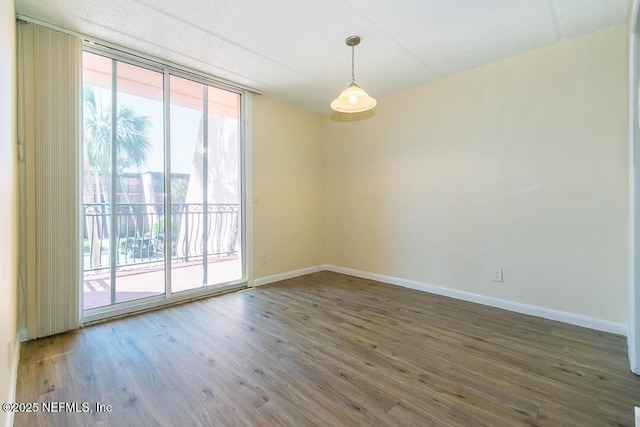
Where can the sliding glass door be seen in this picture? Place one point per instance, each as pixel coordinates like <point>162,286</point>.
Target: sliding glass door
<point>161,186</point>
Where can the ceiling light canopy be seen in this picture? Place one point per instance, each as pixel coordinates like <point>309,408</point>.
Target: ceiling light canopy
<point>353,99</point>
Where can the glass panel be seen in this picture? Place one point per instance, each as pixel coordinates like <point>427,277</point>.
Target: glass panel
<point>96,185</point>
<point>139,194</point>
<point>187,183</point>
<point>223,187</point>
<point>206,218</point>
<point>135,195</point>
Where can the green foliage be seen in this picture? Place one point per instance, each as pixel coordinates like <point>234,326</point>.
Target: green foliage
<point>179,187</point>
<point>158,227</point>
<point>133,143</point>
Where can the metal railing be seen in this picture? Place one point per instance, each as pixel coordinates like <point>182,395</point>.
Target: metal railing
<point>140,233</point>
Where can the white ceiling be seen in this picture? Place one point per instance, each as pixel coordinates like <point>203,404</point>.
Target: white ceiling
<point>295,50</point>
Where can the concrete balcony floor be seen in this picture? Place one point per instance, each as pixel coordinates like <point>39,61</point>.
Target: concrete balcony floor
<point>145,280</point>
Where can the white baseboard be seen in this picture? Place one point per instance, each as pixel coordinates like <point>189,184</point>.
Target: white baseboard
<point>287,275</point>
<point>14,380</point>
<point>545,313</point>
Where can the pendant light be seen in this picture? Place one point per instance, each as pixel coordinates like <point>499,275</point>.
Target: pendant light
<point>353,99</point>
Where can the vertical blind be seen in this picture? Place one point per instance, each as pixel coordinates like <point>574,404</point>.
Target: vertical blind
<point>55,85</point>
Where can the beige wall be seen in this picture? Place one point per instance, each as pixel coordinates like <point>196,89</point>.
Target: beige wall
<point>520,165</point>
<point>288,184</point>
<point>8,200</point>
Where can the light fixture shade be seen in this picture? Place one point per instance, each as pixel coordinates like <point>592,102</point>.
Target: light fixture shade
<point>353,100</point>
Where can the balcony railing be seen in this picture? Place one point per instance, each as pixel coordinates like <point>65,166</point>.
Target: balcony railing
<point>140,233</point>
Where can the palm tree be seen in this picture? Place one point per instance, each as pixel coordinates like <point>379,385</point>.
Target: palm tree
<point>133,145</point>
<point>132,151</point>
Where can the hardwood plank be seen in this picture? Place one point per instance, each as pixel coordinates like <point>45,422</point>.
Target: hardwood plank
<point>331,350</point>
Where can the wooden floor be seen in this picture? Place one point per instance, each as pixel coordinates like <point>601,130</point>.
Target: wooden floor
<point>330,350</point>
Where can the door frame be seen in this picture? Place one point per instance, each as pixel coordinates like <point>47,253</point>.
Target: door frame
<point>633,336</point>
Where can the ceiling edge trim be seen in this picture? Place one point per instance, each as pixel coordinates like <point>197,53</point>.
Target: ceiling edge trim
<point>136,54</point>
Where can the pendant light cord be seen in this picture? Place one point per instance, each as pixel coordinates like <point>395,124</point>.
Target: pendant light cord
<point>353,60</point>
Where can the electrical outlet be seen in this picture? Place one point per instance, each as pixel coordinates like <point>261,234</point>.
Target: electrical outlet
<point>264,260</point>
<point>496,275</point>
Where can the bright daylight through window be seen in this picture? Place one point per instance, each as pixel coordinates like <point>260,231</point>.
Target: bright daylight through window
<point>161,189</point>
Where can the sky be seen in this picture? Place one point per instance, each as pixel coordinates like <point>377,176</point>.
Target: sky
<point>185,124</point>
